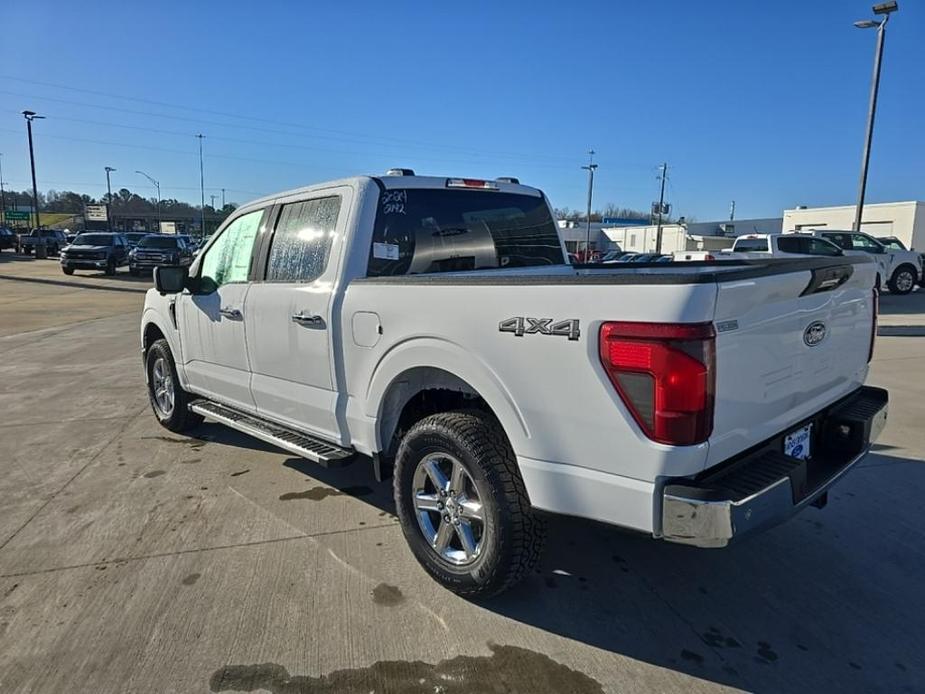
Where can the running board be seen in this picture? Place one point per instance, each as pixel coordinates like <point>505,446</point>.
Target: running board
<point>314,449</point>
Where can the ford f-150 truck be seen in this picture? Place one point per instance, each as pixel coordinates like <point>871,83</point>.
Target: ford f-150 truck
<point>432,327</point>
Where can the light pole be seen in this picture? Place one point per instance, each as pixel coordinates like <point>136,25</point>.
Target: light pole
<point>202,193</point>
<point>109,170</point>
<point>590,169</point>
<point>884,9</point>
<point>2,194</point>
<point>213,201</point>
<point>31,116</point>
<point>158,208</point>
<point>223,198</point>
<point>661,209</point>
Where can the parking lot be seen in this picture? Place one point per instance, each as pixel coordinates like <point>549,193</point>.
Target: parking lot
<point>136,560</point>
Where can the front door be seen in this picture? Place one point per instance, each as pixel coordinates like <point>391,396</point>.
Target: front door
<point>211,320</point>
<point>288,315</point>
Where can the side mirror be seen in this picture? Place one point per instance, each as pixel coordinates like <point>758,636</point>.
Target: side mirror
<point>170,279</point>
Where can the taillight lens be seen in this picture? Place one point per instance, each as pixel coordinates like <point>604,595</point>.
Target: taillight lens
<point>873,327</point>
<point>665,373</point>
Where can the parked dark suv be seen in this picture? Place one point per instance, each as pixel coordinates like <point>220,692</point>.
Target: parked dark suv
<point>53,240</point>
<point>95,250</point>
<point>159,249</point>
<point>7,239</point>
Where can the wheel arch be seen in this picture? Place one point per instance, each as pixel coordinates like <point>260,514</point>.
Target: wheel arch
<point>153,328</point>
<point>428,376</point>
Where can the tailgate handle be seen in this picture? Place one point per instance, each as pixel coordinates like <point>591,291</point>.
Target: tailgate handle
<point>826,279</point>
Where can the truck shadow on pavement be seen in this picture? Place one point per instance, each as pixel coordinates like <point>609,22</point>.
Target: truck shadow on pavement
<point>813,605</point>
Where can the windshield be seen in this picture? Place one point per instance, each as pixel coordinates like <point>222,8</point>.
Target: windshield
<point>893,244</point>
<point>435,230</point>
<point>135,236</point>
<point>157,242</point>
<point>93,240</point>
<point>747,245</point>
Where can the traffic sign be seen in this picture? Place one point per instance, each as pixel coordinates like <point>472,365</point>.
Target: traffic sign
<point>16,216</point>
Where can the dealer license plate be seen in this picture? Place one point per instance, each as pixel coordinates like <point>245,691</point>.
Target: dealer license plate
<point>796,443</point>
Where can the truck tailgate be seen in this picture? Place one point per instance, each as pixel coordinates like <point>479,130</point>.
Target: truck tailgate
<point>785,349</point>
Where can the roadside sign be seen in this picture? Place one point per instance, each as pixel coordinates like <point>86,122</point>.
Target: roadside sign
<point>96,213</point>
<point>168,227</point>
<point>16,216</point>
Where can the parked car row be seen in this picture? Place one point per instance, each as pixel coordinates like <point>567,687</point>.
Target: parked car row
<point>109,251</point>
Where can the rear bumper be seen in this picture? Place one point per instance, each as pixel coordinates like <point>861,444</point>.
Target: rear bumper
<point>765,487</point>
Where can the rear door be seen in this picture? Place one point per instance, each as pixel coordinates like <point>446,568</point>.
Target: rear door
<point>289,315</point>
<point>212,320</point>
<point>785,350</point>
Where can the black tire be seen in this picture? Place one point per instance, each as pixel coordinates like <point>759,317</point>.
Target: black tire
<point>111,267</point>
<point>179,418</point>
<point>68,270</point>
<point>135,272</point>
<point>903,279</point>
<point>511,539</point>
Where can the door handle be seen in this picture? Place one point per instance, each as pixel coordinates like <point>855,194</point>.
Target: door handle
<point>233,313</point>
<point>303,318</point>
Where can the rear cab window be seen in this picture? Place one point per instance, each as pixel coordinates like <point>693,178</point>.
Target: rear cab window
<point>432,230</point>
<point>751,245</point>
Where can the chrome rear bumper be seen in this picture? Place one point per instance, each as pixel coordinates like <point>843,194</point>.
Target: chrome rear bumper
<point>766,487</point>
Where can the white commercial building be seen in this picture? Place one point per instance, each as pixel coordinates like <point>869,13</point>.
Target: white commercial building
<point>690,236</point>
<point>904,220</point>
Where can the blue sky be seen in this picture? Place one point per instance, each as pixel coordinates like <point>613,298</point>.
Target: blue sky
<point>761,102</point>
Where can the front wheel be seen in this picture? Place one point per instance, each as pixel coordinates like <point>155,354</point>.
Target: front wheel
<point>903,280</point>
<point>68,270</point>
<point>168,400</point>
<point>463,506</point>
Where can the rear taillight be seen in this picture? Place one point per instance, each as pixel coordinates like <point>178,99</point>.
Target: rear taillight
<point>665,373</point>
<point>873,327</point>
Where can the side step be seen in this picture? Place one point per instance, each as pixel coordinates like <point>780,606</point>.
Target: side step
<point>304,445</point>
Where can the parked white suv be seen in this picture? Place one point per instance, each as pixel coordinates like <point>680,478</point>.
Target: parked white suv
<point>901,270</point>
<point>781,246</point>
<point>432,326</point>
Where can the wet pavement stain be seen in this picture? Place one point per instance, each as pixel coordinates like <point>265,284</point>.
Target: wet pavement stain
<point>522,671</point>
<point>239,473</point>
<point>319,493</point>
<point>191,579</point>
<point>691,657</point>
<point>191,461</point>
<point>716,639</point>
<point>153,473</point>
<point>387,596</point>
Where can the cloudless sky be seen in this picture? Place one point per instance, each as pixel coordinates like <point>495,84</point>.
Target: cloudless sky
<point>760,102</point>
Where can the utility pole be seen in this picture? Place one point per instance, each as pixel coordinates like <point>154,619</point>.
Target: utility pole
<point>223,198</point>
<point>732,211</point>
<point>2,194</point>
<point>661,206</point>
<point>883,9</point>
<point>109,170</point>
<point>30,116</point>
<point>590,169</point>
<point>202,193</point>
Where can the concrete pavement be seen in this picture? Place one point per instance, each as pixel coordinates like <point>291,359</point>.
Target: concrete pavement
<point>136,560</point>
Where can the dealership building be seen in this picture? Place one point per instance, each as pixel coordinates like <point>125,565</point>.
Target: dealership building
<point>904,220</point>
<point>689,236</point>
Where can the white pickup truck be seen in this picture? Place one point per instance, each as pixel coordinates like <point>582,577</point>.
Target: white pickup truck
<point>431,327</point>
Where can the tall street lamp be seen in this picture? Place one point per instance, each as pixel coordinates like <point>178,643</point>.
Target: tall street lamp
<point>2,194</point>
<point>884,9</point>
<point>109,170</point>
<point>158,187</point>
<point>202,193</point>
<point>31,116</point>
<point>590,169</point>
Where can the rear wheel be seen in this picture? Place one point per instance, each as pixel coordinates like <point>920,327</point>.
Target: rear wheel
<point>903,280</point>
<point>111,267</point>
<point>68,270</point>
<point>463,506</point>
<point>168,400</point>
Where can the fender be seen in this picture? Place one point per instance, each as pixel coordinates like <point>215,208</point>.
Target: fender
<point>153,316</point>
<point>438,353</point>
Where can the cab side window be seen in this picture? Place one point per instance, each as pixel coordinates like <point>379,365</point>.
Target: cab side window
<point>229,258</point>
<point>859,242</point>
<point>843,241</point>
<point>302,242</point>
<point>820,247</point>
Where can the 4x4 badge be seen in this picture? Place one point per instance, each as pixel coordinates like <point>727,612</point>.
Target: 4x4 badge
<point>521,326</point>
